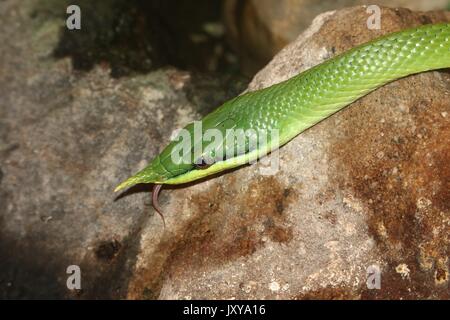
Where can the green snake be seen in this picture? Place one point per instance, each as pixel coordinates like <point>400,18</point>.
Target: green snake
<point>294,105</point>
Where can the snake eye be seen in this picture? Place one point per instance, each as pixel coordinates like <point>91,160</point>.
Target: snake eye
<point>202,164</point>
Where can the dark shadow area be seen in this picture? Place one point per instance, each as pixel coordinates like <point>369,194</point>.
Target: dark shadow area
<point>28,272</point>
<point>30,268</point>
<point>138,36</point>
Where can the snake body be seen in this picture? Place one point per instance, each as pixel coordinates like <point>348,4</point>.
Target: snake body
<point>302,101</point>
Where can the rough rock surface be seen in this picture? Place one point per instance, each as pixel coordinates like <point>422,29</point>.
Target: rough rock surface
<point>368,186</point>
<point>66,139</point>
<point>258,29</point>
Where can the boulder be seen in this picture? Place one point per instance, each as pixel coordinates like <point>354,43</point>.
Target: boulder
<point>259,29</point>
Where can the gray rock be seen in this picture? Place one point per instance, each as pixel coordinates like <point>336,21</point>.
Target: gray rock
<point>66,139</point>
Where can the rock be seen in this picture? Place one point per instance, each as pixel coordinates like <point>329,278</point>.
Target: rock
<point>258,29</point>
<point>336,209</point>
<point>312,230</point>
<point>66,138</point>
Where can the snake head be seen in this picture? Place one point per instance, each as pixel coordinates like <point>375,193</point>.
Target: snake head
<point>153,173</point>
<point>178,158</point>
<point>204,148</point>
<point>160,170</point>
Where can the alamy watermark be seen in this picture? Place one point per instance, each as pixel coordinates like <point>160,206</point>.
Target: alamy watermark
<point>373,273</point>
<point>74,279</point>
<point>205,148</point>
<point>374,20</point>
<point>73,22</point>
